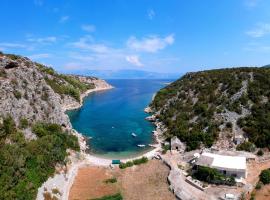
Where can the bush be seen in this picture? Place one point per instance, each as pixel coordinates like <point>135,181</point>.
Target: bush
<point>165,148</point>
<point>258,185</point>
<point>25,165</point>
<point>134,162</point>
<point>260,153</point>
<point>211,175</point>
<point>246,146</point>
<point>117,196</point>
<point>265,176</point>
<point>111,180</point>
<point>17,94</point>
<point>23,123</point>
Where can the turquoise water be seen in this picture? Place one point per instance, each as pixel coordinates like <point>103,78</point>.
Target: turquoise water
<point>109,117</point>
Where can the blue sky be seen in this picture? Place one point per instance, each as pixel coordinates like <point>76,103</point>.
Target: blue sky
<point>154,35</point>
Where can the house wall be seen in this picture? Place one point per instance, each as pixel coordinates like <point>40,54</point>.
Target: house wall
<point>235,173</point>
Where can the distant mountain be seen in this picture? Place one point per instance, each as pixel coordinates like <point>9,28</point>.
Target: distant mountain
<point>265,66</point>
<point>127,74</point>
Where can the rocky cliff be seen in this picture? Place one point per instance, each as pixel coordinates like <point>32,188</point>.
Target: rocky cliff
<point>34,92</point>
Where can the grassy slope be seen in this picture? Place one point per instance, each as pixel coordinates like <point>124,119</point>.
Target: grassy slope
<point>204,94</point>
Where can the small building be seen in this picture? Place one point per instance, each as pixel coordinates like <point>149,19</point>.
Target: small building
<point>177,145</point>
<point>116,162</point>
<point>239,139</point>
<point>235,166</point>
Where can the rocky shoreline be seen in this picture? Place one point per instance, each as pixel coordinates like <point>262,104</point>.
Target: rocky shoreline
<point>64,180</point>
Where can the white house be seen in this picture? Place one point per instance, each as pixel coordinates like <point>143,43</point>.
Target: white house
<point>228,165</point>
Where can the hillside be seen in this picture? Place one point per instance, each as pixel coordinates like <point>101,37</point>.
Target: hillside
<point>35,132</point>
<point>212,108</point>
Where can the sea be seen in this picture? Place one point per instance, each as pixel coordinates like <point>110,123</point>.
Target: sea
<point>110,117</point>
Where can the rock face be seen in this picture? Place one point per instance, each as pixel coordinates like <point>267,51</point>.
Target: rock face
<point>32,91</point>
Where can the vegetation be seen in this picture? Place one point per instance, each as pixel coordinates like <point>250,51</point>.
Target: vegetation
<point>134,162</point>
<point>246,146</point>
<point>3,73</point>
<point>117,196</point>
<point>189,106</point>
<point>265,176</point>
<point>13,56</point>
<point>260,152</point>
<point>23,123</point>
<point>111,180</point>
<point>211,175</point>
<point>17,94</point>
<point>165,148</point>
<point>25,165</point>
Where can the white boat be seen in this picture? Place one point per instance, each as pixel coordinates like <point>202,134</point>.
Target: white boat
<point>133,134</point>
<point>141,145</point>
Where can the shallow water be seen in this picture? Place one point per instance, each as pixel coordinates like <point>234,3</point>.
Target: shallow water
<point>109,117</point>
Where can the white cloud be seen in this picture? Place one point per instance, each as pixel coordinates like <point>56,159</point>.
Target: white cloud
<point>134,59</point>
<point>11,45</point>
<point>63,19</point>
<point>257,47</point>
<point>150,44</point>
<point>88,28</point>
<point>50,39</point>
<point>260,30</point>
<point>38,56</point>
<point>86,43</point>
<point>151,14</point>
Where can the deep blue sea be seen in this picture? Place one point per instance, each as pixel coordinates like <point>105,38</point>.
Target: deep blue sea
<point>109,117</point>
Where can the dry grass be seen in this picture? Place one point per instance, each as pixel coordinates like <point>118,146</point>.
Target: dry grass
<point>144,182</point>
<point>91,183</point>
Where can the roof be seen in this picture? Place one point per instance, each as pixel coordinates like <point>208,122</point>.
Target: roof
<point>222,162</point>
<point>115,162</point>
<point>205,161</point>
<point>175,140</point>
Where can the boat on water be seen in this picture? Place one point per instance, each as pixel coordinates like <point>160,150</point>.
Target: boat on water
<point>133,134</point>
<point>141,145</point>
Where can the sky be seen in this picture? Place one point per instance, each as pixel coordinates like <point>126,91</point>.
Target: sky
<point>172,36</point>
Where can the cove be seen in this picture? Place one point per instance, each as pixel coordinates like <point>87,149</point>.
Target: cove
<point>110,117</point>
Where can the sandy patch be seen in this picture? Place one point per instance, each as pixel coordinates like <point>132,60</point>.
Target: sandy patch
<point>89,183</point>
<point>145,182</point>
<point>263,193</point>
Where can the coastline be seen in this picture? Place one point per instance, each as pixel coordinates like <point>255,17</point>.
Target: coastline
<point>63,181</point>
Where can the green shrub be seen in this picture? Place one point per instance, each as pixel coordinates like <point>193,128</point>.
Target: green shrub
<point>13,56</point>
<point>117,196</point>
<point>134,162</point>
<point>258,185</point>
<point>111,180</point>
<point>26,165</point>
<point>3,73</point>
<point>165,148</point>
<point>23,123</point>
<point>246,146</point>
<point>211,175</point>
<point>260,153</point>
<point>17,94</point>
<point>265,176</point>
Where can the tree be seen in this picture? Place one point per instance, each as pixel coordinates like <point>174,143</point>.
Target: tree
<point>265,176</point>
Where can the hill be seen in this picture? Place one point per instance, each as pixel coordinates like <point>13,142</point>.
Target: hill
<point>35,133</point>
<point>213,108</point>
